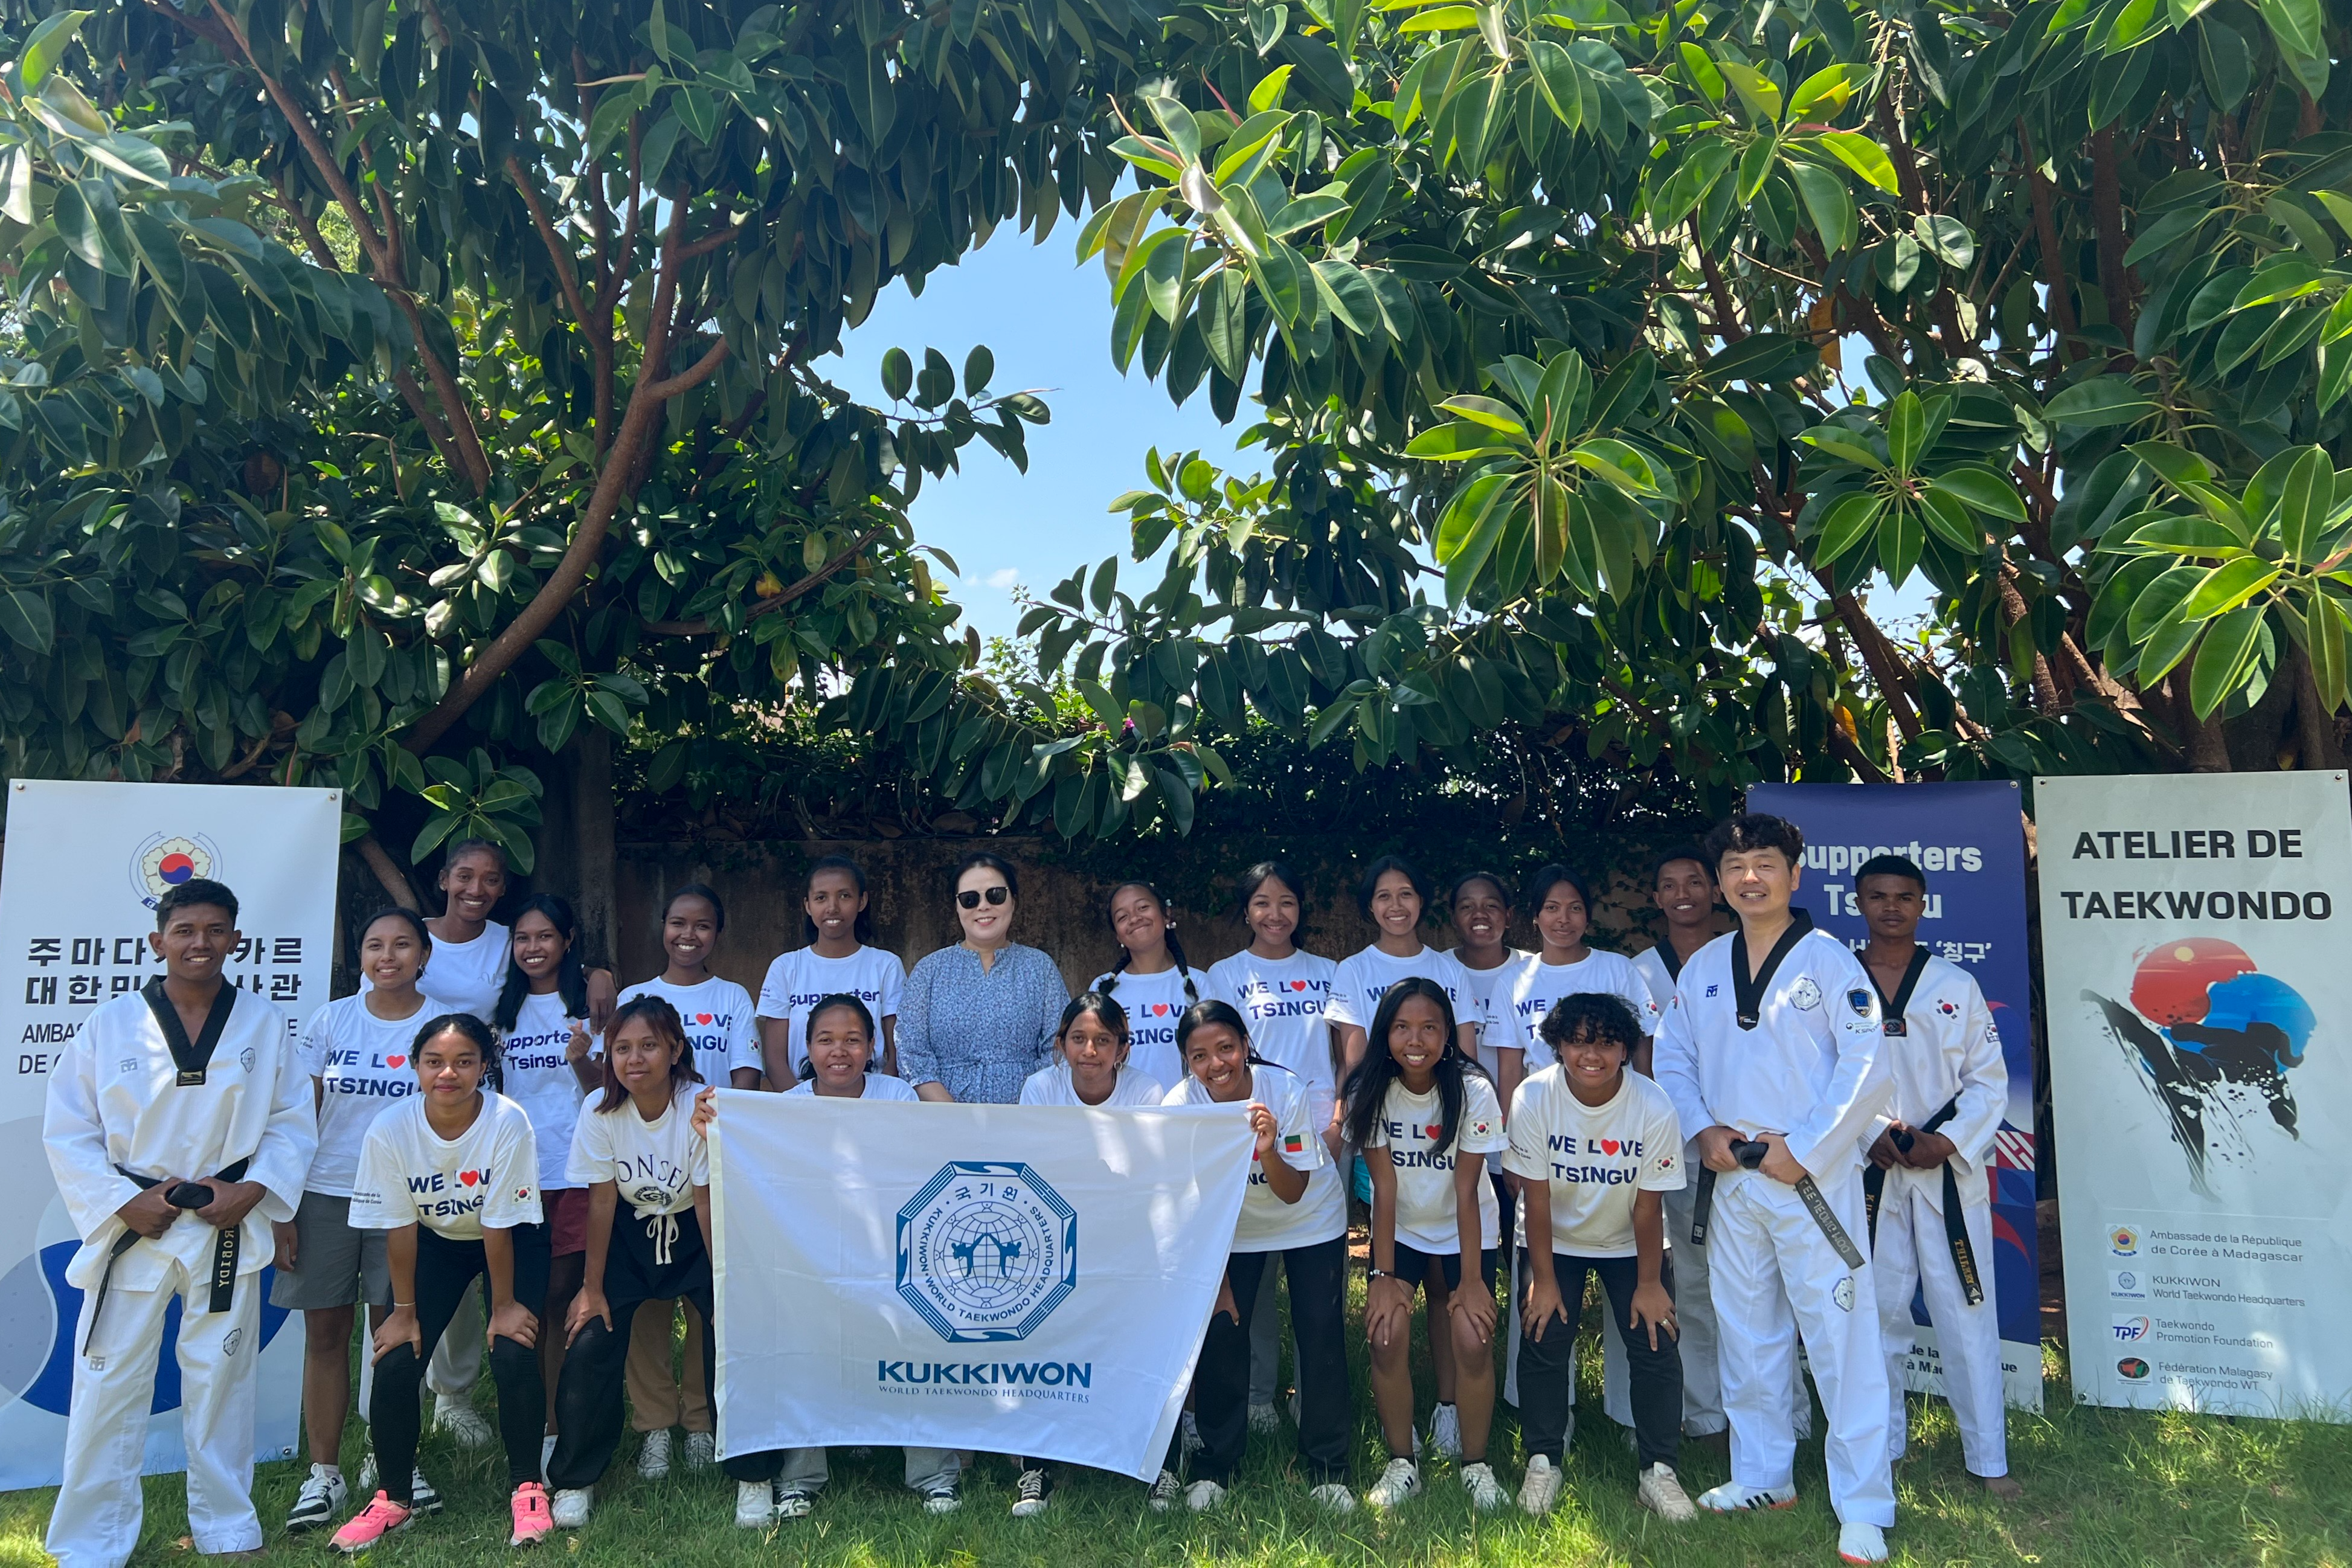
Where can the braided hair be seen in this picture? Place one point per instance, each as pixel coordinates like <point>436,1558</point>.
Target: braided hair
<point>1175,946</point>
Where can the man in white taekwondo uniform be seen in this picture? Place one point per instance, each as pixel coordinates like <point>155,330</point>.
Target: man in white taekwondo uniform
<point>1771,1049</point>
<point>179,1123</point>
<point>1929,1203</point>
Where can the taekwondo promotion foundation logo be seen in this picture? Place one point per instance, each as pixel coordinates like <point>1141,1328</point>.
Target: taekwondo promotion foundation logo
<point>164,861</point>
<point>2214,1039</point>
<point>986,1251</point>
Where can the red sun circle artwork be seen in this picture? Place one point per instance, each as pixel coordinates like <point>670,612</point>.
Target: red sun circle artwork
<point>2171,984</point>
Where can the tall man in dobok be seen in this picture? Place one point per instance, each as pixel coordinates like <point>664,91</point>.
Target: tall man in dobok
<point>1771,1049</point>
<point>179,1123</point>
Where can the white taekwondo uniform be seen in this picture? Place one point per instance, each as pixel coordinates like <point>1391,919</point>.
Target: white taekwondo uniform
<point>1947,1055</point>
<point>1809,1065</point>
<point>120,1099</point>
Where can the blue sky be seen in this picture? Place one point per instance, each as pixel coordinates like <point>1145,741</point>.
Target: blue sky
<point>1047,322</point>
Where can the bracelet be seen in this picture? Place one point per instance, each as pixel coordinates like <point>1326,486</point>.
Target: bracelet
<point>1372,1274</point>
<point>403,1306</point>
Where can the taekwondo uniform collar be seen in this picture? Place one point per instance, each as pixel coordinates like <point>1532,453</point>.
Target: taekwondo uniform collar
<point>1892,1009</point>
<point>1748,993</point>
<point>193,1058</point>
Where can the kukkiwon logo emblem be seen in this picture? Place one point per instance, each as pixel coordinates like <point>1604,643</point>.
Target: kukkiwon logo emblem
<point>986,1251</point>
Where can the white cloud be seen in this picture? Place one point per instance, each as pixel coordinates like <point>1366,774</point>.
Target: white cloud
<point>1004,579</point>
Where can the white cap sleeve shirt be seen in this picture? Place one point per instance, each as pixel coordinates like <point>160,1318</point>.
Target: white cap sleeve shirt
<point>1596,1157</point>
<point>798,979</point>
<point>718,1017</point>
<point>655,1164</point>
<point>1367,976</point>
<point>879,1086</point>
<point>463,976</point>
<point>1153,1003</point>
<point>1409,1127</point>
<point>1539,986</point>
<point>361,1063</point>
<point>1052,1086</point>
<point>536,1075</point>
<point>1266,1223</point>
<point>410,1174</point>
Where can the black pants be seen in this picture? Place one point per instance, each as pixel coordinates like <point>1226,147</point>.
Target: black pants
<point>443,1269</point>
<point>1327,1406</point>
<point>658,1259</point>
<point>1548,1366</point>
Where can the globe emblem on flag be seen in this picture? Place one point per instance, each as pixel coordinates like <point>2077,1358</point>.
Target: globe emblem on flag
<point>986,1251</point>
<point>164,861</point>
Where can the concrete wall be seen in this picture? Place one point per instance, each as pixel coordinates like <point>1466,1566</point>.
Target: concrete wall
<point>1063,906</point>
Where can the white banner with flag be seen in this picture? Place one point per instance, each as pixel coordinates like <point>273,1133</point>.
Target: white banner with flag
<point>1024,1279</point>
<point>86,864</point>
<point>2197,979</point>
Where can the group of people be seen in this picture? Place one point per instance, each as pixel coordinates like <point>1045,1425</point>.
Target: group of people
<point>503,1157</point>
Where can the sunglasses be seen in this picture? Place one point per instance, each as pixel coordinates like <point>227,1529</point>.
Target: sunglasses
<point>969,897</point>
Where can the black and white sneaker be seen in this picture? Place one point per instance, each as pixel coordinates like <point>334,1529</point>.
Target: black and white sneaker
<point>1032,1493</point>
<point>321,1500</point>
<point>1165,1491</point>
<point>945,1498</point>
<point>421,1498</point>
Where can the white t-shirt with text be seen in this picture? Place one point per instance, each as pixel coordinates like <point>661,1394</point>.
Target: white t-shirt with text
<point>798,979</point>
<point>1153,1004</point>
<point>1290,1005</point>
<point>1595,1157</point>
<point>656,1164</point>
<point>717,1014</point>
<point>362,1065</point>
<point>1538,987</point>
<point>538,1076</point>
<point>1266,1223</point>
<point>1409,1127</point>
<point>464,976</point>
<point>410,1174</point>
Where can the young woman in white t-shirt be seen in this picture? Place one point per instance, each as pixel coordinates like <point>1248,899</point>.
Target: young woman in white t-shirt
<point>636,1146</point>
<point>451,1174</point>
<point>1294,1210</point>
<point>356,1049</point>
<point>1091,1063</point>
<point>839,960</point>
<point>1480,906</point>
<point>1152,981</point>
<point>1424,1115</point>
<point>1394,895</point>
<point>1566,965</point>
<point>1595,1145</point>
<point>546,1063</point>
<point>783,1483</point>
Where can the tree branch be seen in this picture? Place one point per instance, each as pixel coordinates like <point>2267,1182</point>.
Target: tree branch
<point>387,871</point>
<point>2118,282</point>
<point>2059,293</point>
<point>776,601</point>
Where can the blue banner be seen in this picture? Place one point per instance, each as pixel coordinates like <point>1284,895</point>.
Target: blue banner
<point>1970,839</point>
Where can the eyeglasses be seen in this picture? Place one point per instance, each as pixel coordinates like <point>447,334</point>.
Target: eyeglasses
<point>969,897</point>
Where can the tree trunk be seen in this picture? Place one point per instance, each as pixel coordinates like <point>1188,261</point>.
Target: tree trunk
<point>593,846</point>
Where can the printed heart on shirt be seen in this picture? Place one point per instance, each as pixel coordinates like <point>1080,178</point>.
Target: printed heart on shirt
<point>469,1178</point>
<point>1434,1130</point>
<point>703,1017</point>
<point>1298,985</point>
<point>396,1061</point>
<point>1610,1145</point>
<point>1159,1009</point>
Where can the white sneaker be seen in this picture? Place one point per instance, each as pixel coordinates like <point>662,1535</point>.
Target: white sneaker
<point>1859,1542</point>
<point>320,1502</point>
<point>1202,1496</point>
<point>653,1457</point>
<point>1165,1491</point>
<point>1446,1431</point>
<point>1661,1493</point>
<point>1334,1497</point>
<point>701,1450</point>
<point>570,1509</point>
<point>452,1413</point>
<point>1191,1435</point>
<point>755,1504</point>
<point>1486,1493</point>
<point>1399,1482</point>
<point>1540,1489</point>
<point>1733,1498</point>
<point>1264,1418</point>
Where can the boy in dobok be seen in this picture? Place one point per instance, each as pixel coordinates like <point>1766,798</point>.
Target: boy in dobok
<point>1930,1205</point>
<point>179,1125</point>
<point>1772,1049</point>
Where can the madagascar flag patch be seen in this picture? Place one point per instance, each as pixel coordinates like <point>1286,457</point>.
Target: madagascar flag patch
<point>1294,1143</point>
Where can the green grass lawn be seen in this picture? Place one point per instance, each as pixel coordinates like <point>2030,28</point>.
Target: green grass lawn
<point>2101,1487</point>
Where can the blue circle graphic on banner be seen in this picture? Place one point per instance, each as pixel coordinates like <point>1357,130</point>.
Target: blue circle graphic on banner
<point>986,1251</point>
<point>39,1313</point>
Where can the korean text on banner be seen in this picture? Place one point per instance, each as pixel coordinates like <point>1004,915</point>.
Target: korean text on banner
<point>86,864</point>
<point>2190,939</point>
<point>1021,1280</point>
<point>1969,841</point>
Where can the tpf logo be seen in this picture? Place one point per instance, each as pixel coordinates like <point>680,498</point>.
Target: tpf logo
<point>986,1251</point>
<point>2132,1330</point>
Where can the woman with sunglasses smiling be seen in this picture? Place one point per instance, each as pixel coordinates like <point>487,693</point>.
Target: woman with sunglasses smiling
<point>976,1019</point>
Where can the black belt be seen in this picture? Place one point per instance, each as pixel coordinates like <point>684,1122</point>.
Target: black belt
<point>1750,1154</point>
<point>184,1195</point>
<point>1956,1225</point>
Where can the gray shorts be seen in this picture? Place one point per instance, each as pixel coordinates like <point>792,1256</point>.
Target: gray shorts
<point>337,1265</point>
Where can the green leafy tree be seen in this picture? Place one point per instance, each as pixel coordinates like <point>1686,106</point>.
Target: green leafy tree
<point>1608,353</point>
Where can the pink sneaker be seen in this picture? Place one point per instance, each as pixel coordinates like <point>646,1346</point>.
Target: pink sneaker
<point>532,1520</point>
<point>372,1523</point>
